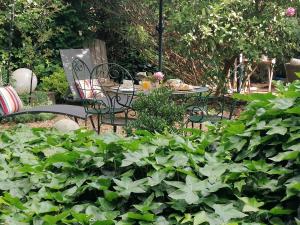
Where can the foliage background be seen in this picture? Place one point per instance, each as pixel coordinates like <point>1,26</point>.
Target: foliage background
<point>200,42</point>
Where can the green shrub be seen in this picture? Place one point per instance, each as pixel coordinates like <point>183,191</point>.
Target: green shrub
<point>157,112</point>
<point>57,82</point>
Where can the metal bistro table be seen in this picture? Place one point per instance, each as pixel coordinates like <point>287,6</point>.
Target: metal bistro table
<point>138,90</point>
<point>182,96</point>
<point>196,90</point>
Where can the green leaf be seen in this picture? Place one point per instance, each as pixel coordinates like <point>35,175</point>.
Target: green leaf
<point>187,218</point>
<point>227,212</point>
<point>288,155</point>
<point>100,183</point>
<point>251,204</point>
<point>69,157</point>
<point>213,170</point>
<point>13,201</point>
<point>200,218</point>
<point>156,178</point>
<point>295,147</point>
<point>161,221</point>
<point>283,103</point>
<point>44,207</point>
<point>144,217</point>
<point>54,219</point>
<point>292,187</point>
<point>104,222</point>
<point>186,191</point>
<point>279,210</point>
<point>126,186</point>
<point>110,195</point>
<point>277,130</point>
<point>294,110</point>
<point>134,157</point>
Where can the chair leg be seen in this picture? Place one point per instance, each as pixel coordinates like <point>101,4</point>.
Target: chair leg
<point>75,119</point>
<point>98,123</point>
<point>92,122</point>
<point>200,126</point>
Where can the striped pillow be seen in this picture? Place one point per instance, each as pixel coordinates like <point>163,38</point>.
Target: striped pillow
<point>9,100</point>
<point>96,88</point>
<point>89,88</point>
<point>84,88</point>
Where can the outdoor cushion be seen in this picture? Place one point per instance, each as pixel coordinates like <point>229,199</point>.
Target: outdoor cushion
<point>89,88</point>
<point>295,61</point>
<point>9,100</point>
<point>84,88</point>
<point>96,88</point>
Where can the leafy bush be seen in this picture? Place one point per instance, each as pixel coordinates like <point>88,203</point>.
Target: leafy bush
<point>243,172</point>
<point>156,111</point>
<point>57,82</point>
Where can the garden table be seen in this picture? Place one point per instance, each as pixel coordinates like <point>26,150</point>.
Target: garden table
<point>138,90</point>
<point>182,96</point>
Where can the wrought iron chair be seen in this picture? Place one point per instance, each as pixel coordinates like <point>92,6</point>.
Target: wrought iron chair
<point>111,105</point>
<point>210,109</point>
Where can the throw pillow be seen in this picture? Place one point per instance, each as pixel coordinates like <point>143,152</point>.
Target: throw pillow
<point>9,100</point>
<point>89,88</point>
<point>96,88</point>
<point>84,88</point>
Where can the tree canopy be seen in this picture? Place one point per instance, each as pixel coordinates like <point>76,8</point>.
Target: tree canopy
<point>201,37</point>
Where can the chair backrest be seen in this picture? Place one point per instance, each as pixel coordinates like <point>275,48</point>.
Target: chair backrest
<point>67,57</point>
<point>291,71</point>
<point>103,99</point>
<point>121,96</point>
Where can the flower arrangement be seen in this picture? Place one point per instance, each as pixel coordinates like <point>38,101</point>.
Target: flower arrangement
<point>156,79</point>
<point>158,76</point>
<point>290,12</point>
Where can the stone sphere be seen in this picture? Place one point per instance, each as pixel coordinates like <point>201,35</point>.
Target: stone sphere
<point>22,79</point>
<point>66,125</point>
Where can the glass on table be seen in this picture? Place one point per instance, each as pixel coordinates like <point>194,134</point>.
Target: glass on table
<point>146,85</point>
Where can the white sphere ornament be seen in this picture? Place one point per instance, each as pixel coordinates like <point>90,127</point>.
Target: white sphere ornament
<point>22,80</point>
<point>66,125</point>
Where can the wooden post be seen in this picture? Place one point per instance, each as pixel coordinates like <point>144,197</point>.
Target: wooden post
<point>98,51</point>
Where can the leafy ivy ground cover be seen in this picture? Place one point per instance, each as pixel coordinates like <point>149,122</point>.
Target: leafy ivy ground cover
<point>241,172</point>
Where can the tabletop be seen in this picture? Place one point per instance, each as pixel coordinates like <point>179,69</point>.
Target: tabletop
<point>138,90</point>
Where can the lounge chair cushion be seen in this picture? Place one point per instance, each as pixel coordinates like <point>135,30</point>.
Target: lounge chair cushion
<point>9,100</point>
<point>89,88</point>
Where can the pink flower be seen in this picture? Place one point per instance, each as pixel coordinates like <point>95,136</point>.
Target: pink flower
<point>158,76</point>
<point>291,11</point>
